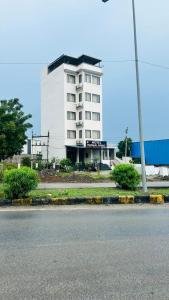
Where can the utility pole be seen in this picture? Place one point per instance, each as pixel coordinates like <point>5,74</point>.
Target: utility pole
<point>48,149</point>
<point>126,141</point>
<point>45,144</point>
<point>144,182</point>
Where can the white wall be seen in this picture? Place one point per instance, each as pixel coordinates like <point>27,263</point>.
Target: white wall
<point>52,111</point>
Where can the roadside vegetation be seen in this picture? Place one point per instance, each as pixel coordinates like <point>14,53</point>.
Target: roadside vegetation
<point>89,192</point>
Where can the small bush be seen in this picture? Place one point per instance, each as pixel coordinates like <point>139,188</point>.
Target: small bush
<point>8,166</point>
<point>26,161</point>
<point>126,176</point>
<point>65,164</point>
<point>1,175</point>
<point>19,182</point>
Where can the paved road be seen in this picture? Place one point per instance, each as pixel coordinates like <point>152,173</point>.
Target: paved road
<point>96,253</point>
<point>159,184</point>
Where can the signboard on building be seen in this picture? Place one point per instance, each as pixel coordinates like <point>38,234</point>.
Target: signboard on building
<point>96,144</point>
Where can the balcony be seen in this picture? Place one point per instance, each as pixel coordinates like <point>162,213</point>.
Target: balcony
<point>79,124</point>
<point>79,105</point>
<point>79,87</point>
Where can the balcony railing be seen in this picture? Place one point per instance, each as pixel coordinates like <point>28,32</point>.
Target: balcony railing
<point>79,124</point>
<point>79,105</point>
<point>79,87</point>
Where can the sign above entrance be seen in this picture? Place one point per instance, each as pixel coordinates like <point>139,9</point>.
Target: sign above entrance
<point>96,144</point>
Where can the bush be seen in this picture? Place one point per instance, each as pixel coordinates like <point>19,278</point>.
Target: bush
<point>26,161</point>
<point>19,182</point>
<point>1,175</point>
<point>8,166</point>
<point>65,164</point>
<point>126,176</point>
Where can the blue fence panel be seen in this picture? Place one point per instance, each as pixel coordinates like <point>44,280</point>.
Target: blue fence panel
<point>156,152</point>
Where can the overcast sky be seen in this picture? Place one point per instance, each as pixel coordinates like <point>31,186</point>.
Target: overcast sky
<point>38,31</point>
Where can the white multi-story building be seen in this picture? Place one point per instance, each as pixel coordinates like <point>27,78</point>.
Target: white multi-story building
<point>71,109</point>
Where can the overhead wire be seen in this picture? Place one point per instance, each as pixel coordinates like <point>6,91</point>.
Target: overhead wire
<point>104,61</point>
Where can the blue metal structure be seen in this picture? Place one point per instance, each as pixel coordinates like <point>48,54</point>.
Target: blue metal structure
<point>156,152</point>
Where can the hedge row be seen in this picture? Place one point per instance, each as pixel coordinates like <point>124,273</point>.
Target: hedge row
<point>154,199</point>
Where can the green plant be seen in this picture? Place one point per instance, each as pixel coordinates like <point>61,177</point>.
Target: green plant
<point>65,164</point>
<point>126,176</point>
<point>26,161</point>
<point>19,182</point>
<point>13,127</point>
<point>122,146</point>
<point>1,175</point>
<point>8,166</point>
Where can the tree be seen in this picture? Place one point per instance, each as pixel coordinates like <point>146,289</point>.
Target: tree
<point>13,126</point>
<point>121,147</point>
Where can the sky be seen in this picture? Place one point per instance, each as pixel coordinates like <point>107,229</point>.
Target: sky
<point>34,33</point>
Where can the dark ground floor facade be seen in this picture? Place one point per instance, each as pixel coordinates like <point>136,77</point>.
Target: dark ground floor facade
<point>94,155</point>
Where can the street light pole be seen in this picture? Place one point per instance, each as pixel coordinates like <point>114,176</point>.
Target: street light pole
<point>144,183</point>
<point>126,142</point>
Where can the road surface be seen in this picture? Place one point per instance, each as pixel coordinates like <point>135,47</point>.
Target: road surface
<point>85,253</point>
<point>155,184</point>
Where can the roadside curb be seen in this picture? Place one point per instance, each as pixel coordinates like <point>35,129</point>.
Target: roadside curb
<point>35,201</point>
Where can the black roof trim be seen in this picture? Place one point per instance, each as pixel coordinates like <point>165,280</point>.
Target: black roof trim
<point>65,59</point>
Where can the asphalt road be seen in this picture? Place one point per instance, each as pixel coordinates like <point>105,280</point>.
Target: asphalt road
<point>95,253</point>
<point>155,184</point>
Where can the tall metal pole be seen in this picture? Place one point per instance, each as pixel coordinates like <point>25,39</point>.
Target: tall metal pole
<point>126,142</point>
<point>47,149</point>
<point>144,183</point>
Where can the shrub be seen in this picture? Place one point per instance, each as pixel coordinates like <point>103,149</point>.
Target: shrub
<point>19,182</point>
<point>126,176</point>
<point>65,164</point>
<point>1,175</point>
<point>26,161</point>
<point>9,166</point>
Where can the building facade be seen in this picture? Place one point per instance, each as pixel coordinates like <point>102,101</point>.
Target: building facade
<point>71,109</point>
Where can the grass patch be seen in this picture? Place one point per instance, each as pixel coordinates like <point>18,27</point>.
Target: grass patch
<point>90,192</point>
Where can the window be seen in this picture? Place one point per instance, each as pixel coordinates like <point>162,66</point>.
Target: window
<point>71,134</point>
<point>80,97</point>
<point>96,134</point>
<point>96,80</point>
<point>80,134</point>
<point>87,115</point>
<point>88,97</point>
<point>71,78</point>
<point>71,97</point>
<point>88,134</point>
<point>96,98</point>
<point>71,115</point>
<point>80,78</point>
<point>95,116</point>
<point>88,78</point>
<point>80,115</point>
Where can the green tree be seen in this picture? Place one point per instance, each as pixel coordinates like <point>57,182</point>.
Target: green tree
<point>121,148</point>
<point>13,126</point>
